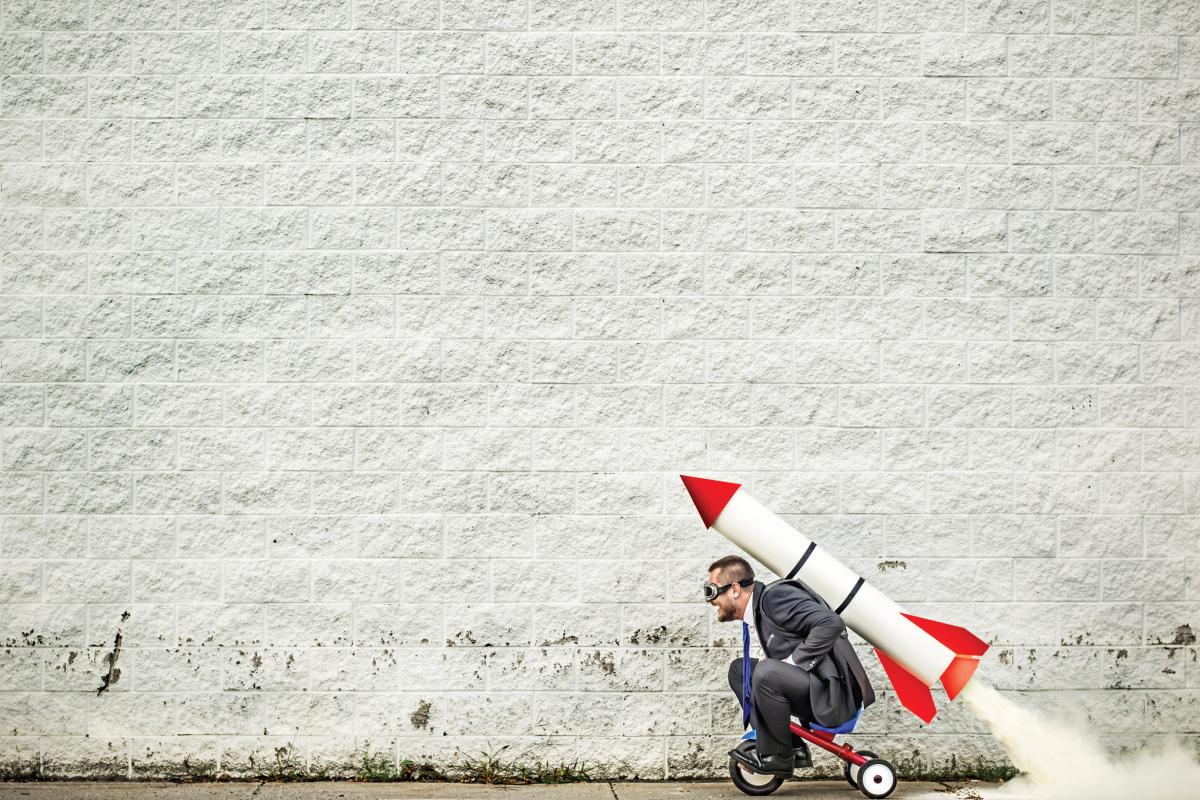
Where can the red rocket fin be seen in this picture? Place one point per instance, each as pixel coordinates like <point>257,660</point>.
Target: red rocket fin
<point>913,695</point>
<point>960,640</point>
<point>967,649</point>
<point>709,496</point>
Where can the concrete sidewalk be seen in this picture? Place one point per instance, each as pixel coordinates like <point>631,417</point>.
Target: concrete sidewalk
<point>600,790</point>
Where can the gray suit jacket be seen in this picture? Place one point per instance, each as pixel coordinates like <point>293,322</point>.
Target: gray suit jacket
<point>792,619</point>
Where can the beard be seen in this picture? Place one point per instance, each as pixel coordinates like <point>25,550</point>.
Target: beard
<point>724,614</point>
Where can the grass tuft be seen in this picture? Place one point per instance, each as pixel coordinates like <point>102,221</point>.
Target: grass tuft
<point>915,768</point>
<point>286,767</point>
<point>491,767</point>
<point>377,766</point>
<point>21,770</point>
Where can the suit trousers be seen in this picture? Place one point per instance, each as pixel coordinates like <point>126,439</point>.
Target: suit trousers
<point>777,691</point>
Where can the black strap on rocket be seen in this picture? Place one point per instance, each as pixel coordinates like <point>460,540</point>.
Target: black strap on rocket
<point>800,565</point>
<point>858,585</point>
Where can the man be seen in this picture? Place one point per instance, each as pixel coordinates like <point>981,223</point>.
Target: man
<point>810,669</point>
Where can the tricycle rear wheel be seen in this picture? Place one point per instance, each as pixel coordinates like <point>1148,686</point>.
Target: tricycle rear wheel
<point>876,779</point>
<point>852,769</point>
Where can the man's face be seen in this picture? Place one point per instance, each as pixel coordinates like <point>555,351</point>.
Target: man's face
<point>731,602</point>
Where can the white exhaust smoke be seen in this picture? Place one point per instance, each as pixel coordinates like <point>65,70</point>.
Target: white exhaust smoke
<point>1064,761</point>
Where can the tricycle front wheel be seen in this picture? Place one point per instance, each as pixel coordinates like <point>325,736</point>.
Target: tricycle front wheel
<point>748,781</point>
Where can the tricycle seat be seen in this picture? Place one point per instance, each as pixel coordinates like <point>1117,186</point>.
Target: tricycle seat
<point>845,727</point>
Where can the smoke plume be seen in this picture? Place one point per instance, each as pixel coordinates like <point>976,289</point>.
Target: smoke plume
<point>1061,760</point>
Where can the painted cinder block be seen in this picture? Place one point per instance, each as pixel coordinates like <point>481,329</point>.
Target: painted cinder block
<point>349,352</point>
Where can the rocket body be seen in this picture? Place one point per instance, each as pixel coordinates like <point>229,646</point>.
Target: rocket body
<point>915,652</point>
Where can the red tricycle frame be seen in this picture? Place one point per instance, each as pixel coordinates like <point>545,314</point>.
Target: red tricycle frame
<point>824,740</point>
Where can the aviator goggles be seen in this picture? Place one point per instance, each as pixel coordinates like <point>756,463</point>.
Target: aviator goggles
<point>712,591</point>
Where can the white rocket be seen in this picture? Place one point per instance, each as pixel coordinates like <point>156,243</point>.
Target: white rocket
<point>915,652</point>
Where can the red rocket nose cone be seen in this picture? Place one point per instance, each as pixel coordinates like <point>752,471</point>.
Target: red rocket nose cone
<point>709,496</point>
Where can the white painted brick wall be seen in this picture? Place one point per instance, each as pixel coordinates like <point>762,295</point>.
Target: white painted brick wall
<point>351,351</point>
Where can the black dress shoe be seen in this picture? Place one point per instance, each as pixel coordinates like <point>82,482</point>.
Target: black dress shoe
<point>768,765</point>
<point>801,751</point>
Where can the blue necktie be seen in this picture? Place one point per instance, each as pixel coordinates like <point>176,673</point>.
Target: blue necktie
<point>745,675</point>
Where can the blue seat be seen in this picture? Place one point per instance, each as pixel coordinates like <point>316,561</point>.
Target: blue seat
<point>845,727</point>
